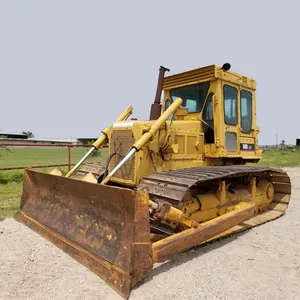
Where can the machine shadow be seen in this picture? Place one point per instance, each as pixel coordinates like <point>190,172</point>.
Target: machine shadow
<point>188,255</point>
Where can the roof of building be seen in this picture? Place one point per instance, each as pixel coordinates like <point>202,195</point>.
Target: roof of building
<point>13,136</point>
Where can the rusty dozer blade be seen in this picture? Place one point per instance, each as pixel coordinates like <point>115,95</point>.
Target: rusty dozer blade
<point>105,228</point>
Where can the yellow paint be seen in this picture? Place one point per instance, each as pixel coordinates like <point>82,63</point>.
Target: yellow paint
<point>240,207</point>
<point>180,142</point>
<point>109,236</point>
<point>89,177</point>
<point>205,215</point>
<point>264,193</point>
<point>191,206</point>
<point>145,138</point>
<point>56,172</point>
<point>174,216</point>
<point>203,207</point>
<point>101,140</point>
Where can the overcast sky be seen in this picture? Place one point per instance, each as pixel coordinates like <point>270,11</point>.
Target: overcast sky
<point>69,68</point>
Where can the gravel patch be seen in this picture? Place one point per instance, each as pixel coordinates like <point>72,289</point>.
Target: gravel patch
<point>261,263</point>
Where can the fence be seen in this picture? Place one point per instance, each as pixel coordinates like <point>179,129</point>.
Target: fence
<point>68,163</point>
<point>68,156</point>
<point>289,146</point>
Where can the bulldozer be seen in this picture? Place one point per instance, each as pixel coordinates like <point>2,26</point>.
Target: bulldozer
<point>183,178</point>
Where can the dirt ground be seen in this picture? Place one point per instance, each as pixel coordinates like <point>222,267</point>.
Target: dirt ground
<point>262,263</point>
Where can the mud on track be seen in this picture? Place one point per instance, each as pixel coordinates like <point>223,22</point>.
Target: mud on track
<point>261,263</point>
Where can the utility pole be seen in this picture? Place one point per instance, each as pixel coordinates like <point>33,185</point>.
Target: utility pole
<point>277,138</point>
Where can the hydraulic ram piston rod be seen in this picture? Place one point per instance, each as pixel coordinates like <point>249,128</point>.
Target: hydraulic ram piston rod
<point>120,164</point>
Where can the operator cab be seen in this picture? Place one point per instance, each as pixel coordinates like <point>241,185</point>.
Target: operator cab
<point>218,99</point>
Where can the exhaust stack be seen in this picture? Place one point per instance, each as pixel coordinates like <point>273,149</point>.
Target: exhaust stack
<point>156,106</point>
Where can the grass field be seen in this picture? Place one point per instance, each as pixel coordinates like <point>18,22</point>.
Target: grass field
<point>10,194</point>
<point>29,156</point>
<point>11,181</point>
<point>280,158</point>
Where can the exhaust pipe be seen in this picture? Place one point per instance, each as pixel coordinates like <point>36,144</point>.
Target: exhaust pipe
<point>156,106</point>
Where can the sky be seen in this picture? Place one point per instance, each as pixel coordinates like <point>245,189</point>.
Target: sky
<point>69,68</point>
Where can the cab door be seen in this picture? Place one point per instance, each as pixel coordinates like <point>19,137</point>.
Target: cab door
<point>247,136</point>
<point>209,130</point>
<point>231,119</point>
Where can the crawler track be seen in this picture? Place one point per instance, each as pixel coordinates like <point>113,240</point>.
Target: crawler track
<point>177,185</point>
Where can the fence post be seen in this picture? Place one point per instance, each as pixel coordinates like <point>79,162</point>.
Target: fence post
<point>69,158</point>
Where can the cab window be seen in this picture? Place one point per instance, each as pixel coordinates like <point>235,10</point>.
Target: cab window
<point>246,111</point>
<point>230,105</point>
<point>193,96</point>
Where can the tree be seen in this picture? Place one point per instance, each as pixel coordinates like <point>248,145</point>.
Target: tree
<point>7,150</point>
<point>28,133</point>
<point>282,144</point>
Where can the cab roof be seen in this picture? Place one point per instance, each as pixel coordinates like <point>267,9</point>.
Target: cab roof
<point>207,73</point>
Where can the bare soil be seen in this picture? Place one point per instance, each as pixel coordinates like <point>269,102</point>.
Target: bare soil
<point>261,263</point>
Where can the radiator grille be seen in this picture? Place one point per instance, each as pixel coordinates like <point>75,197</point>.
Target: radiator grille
<point>121,142</point>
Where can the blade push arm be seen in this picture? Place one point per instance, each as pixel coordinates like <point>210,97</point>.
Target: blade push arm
<point>179,242</point>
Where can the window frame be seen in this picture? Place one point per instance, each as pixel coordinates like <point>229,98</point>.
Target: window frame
<point>191,85</point>
<point>209,123</point>
<point>251,115</point>
<point>208,98</point>
<point>236,106</point>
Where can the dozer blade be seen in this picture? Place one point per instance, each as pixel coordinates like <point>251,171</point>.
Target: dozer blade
<point>105,228</point>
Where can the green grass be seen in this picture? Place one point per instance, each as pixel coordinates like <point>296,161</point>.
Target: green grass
<point>280,158</point>
<point>10,195</point>
<point>11,181</point>
<point>32,156</point>
<point>38,156</point>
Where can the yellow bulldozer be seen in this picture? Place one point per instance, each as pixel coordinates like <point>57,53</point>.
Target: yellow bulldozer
<point>170,183</point>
